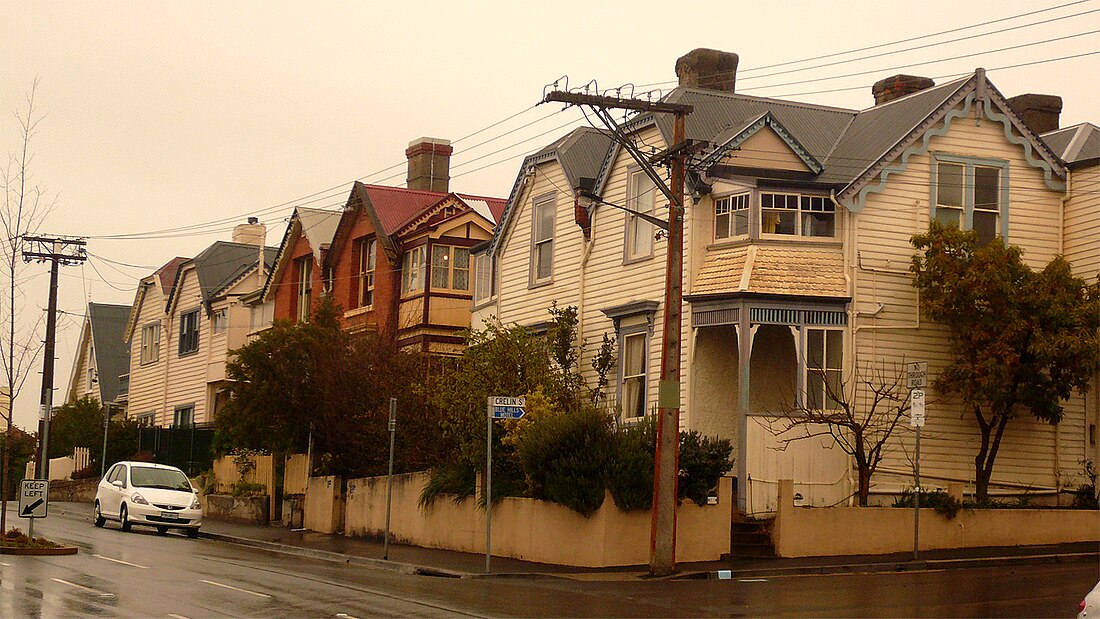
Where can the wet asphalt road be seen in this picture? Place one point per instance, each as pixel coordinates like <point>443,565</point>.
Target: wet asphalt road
<point>140,574</point>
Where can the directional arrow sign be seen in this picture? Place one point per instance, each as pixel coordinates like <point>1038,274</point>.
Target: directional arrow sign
<point>34,497</point>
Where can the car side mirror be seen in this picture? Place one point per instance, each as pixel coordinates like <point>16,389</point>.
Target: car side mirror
<point>117,484</point>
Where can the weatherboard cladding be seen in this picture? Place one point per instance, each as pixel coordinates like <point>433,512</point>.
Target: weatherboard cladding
<point>112,355</point>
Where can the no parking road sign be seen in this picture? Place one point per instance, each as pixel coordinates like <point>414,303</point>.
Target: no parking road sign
<point>34,498</point>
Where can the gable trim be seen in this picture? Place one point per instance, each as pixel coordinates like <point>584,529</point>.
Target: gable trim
<point>764,120</point>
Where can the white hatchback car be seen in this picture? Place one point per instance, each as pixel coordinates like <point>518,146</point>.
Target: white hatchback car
<point>148,494</point>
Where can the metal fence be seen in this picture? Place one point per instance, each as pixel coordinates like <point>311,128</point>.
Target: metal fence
<point>188,448</point>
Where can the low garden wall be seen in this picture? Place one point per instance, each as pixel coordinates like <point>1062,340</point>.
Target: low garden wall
<point>78,490</point>
<point>324,505</point>
<point>529,529</point>
<point>248,509</point>
<point>829,531</point>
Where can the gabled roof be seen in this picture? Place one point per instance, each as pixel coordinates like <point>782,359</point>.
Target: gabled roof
<point>733,137</point>
<point>104,328</point>
<point>165,277</point>
<point>318,226</point>
<point>219,266</point>
<point>581,153</point>
<point>1078,145</point>
<point>393,210</point>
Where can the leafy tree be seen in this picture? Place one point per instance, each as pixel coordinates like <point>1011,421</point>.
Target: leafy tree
<point>314,378</point>
<point>79,423</point>
<point>1020,339</point>
<point>859,423</point>
<point>21,451</point>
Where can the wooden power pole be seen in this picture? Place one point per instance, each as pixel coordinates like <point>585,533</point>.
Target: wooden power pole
<point>56,250</point>
<point>662,543</point>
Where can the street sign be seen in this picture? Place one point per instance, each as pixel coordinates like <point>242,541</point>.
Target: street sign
<point>502,407</point>
<point>34,498</point>
<point>917,374</point>
<point>916,408</point>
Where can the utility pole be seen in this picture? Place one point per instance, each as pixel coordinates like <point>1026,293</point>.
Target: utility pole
<point>662,543</point>
<point>56,250</point>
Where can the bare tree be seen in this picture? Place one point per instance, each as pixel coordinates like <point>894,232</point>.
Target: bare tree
<point>26,205</point>
<point>859,414</point>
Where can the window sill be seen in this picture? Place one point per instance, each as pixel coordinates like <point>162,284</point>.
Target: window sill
<point>148,363</point>
<point>540,284</point>
<point>359,311</point>
<point>637,259</point>
<point>189,353</point>
<point>483,303</point>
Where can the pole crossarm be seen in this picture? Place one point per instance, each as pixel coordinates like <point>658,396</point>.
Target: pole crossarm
<point>637,105</point>
<point>66,250</point>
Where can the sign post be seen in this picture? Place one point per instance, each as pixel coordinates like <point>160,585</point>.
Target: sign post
<point>918,379</point>
<point>389,479</point>
<point>34,500</point>
<point>499,407</point>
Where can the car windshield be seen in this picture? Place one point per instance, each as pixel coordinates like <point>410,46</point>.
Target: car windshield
<point>168,479</point>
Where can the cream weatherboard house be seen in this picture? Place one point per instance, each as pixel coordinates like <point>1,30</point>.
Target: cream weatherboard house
<point>797,251</point>
<point>186,318</point>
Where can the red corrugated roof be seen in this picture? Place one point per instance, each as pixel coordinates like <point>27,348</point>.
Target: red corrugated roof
<point>396,205</point>
<point>167,273</point>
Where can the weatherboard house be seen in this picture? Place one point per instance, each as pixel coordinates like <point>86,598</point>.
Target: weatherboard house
<point>797,227</point>
<point>396,260</point>
<point>185,320</point>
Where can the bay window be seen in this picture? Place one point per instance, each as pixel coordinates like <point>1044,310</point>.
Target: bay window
<point>413,267</point>
<point>731,216</point>
<point>450,267</point>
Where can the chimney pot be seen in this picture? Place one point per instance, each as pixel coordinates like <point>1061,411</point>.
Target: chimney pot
<point>429,164</point>
<point>898,86</point>
<point>711,69</point>
<point>1040,113</point>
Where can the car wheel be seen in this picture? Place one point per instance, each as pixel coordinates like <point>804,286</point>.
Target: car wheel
<point>98,518</point>
<point>162,530</point>
<point>192,533</point>
<point>124,518</point>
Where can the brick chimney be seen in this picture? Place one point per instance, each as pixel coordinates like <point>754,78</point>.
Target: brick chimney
<point>429,164</point>
<point>1039,112</point>
<point>252,233</point>
<point>707,68</point>
<point>898,86</point>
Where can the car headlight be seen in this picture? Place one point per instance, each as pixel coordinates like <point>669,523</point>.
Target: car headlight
<point>195,504</point>
<point>137,498</point>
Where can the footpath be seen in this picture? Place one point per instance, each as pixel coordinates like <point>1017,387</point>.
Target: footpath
<point>448,563</point>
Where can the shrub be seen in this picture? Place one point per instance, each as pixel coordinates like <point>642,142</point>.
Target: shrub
<point>248,488</point>
<point>87,472</point>
<point>1085,495</point>
<point>565,458</point>
<point>944,504</point>
<point>703,461</point>
<point>630,477</point>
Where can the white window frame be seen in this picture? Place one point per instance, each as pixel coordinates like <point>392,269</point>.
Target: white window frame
<point>636,375</point>
<point>219,321</point>
<point>641,197</point>
<point>965,212</point>
<point>542,239</point>
<point>188,343</point>
<point>449,256</point>
<point>304,287</point>
<point>727,211</point>
<point>150,343</point>
<point>805,207</point>
<point>413,270</point>
<point>484,277</point>
<point>814,376</point>
<point>91,367</point>
<point>368,257</point>
<point>261,316</point>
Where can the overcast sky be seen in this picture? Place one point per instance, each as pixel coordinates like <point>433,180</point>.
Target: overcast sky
<point>201,113</point>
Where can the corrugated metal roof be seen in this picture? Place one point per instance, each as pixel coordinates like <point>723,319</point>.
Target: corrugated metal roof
<point>396,205</point>
<point>489,208</point>
<point>224,262</point>
<point>1076,144</point>
<point>166,274</point>
<point>816,127</point>
<point>876,130</point>
<point>112,354</point>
